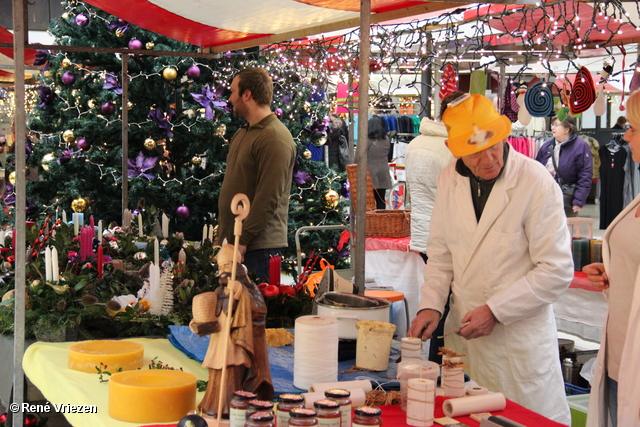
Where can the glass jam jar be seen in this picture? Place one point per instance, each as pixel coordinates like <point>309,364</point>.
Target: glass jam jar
<point>259,406</point>
<point>259,419</point>
<point>343,397</point>
<point>328,413</point>
<point>238,407</point>
<point>367,416</point>
<point>302,417</point>
<point>286,403</point>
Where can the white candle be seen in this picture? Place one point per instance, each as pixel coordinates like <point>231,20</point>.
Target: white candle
<point>156,252</point>
<point>204,233</point>
<point>76,224</point>
<point>64,217</point>
<point>140,230</point>
<point>182,256</point>
<point>100,231</point>
<point>47,264</point>
<point>211,231</point>
<point>2,237</point>
<point>165,225</point>
<point>54,265</point>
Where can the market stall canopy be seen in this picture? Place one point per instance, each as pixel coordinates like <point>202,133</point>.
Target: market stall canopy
<point>558,23</point>
<point>227,25</point>
<point>6,54</point>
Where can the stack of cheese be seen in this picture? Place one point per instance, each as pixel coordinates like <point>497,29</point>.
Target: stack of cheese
<point>136,396</point>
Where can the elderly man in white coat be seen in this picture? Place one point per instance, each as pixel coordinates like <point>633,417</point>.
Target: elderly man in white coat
<point>499,241</point>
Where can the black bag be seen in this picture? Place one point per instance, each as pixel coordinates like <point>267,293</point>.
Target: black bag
<point>568,190</point>
<point>343,151</point>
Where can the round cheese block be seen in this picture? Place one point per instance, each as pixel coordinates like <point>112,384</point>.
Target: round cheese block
<point>85,356</point>
<point>151,395</point>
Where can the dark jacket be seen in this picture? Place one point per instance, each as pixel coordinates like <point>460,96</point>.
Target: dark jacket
<point>574,166</point>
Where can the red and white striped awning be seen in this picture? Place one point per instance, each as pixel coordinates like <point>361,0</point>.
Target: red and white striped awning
<point>243,23</point>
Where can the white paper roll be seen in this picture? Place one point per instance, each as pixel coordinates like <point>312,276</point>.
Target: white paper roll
<point>420,402</point>
<point>358,396</point>
<point>453,381</point>
<point>345,385</point>
<point>462,406</point>
<point>411,347</point>
<point>315,354</point>
<point>476,390</point>
<point>414,369</point>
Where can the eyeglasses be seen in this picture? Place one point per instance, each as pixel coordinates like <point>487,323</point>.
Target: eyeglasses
<point>556,125</point>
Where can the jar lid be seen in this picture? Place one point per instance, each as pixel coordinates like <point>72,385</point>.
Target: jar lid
<point>261,405</point>
<point>302,413</point>
<point>244,395</point>
<point>326,404</point>
<point>261,416</point>
<point>291,398</point>
<point>337,393</point>
<point>368,411</point>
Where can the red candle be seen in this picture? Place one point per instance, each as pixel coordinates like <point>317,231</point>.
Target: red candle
<point>99,261</point>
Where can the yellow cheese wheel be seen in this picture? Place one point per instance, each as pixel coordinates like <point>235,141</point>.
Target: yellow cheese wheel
<point>151,396</point>
<point>85,356</point>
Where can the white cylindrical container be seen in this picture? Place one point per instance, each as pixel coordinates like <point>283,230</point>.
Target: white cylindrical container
<point>411,348</point>
<point>415,369</point>
<point>453,381</point>
<point>420,402</point>
<point>315,357</point>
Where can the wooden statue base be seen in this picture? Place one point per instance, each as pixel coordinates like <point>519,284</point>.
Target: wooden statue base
<point>213,421</point>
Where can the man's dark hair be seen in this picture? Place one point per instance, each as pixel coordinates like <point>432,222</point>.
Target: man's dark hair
<point>258,82</point>
<point>447,99</point>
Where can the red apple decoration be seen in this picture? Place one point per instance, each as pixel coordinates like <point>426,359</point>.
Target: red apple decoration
<point>271,291</point>
<point>287,290</point>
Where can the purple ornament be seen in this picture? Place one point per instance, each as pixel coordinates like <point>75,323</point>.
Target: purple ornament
<point>68,78</point>
<point>278,112</point>
<point>182,212</point>
<point>108,108</point>
<point>65,156</point>
<point>193,72</point>
<point>83,144</point>
<point>135,44</point>
<point>82,20</point>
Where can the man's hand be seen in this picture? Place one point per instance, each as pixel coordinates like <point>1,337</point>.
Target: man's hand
<point>479,323</point>
<point>424,324</point>
<point>243,250</point>
<point>596,275</point>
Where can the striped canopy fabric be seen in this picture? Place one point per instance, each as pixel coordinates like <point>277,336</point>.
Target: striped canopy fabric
<point>211,23</point>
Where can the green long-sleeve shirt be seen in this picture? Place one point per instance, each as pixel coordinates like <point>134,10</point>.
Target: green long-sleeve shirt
<point>260,165</point>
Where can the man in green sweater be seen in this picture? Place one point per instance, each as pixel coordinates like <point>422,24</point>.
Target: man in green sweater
<point>260,165</point>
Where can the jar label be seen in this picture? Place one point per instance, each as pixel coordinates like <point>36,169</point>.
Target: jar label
<point>367,425</point>
<point>329,422</point>
<point>282,418</point>
<point>345,412</point>
<point>237,417</point>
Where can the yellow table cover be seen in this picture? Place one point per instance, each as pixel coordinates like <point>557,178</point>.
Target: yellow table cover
<point>45,364</point>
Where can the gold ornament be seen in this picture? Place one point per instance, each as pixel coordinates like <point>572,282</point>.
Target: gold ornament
<point>65,63</point>
<point>306,154</point>
<point>320,141</point>
<point>196,160</point>
<point>119,33</point>
<point>129,105</point>
<point>330,199</point>
<point>12,178</point>
<point>91,103</point>
<point>222,130</point>
<point>79,205</point>
<point>150,45</point>
<point>46,159</point>
<point>68,136</point>
<point>170,73</point>
<point>149,144</point>
<point>65,15</point>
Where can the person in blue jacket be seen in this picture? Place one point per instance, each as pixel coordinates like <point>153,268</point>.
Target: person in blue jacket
<point>568,158</point>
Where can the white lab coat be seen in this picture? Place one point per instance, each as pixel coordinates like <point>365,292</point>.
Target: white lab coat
<point>517,259</point>
<point>426,156</point>
<point>628,384</point>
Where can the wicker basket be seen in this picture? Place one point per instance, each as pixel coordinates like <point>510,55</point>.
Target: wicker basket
<point>352,175</point>
<point>388,223</point>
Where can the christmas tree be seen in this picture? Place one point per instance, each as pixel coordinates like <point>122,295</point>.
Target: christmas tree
<point>179,128</point>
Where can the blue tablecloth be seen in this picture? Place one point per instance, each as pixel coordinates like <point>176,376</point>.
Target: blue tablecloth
<point>281,362</point>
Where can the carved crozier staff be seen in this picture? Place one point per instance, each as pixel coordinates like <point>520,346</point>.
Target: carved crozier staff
<point>240,207</point>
